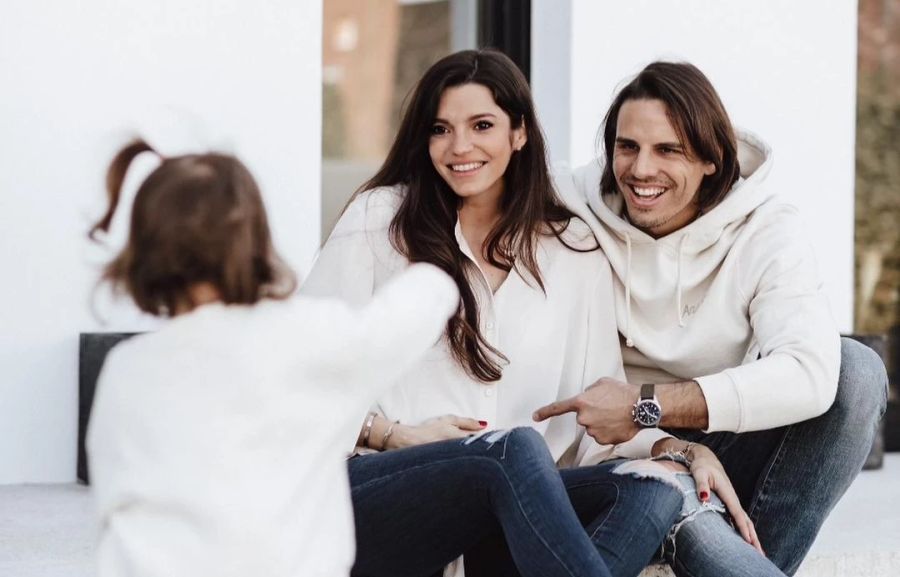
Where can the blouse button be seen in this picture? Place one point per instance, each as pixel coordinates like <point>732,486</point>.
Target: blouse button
<point>489,392</point>
<point>489,325</point>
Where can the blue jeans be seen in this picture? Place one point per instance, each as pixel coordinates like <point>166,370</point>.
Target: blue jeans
<point>625,517</point>
<point>418,509</point>
<point>790,478</point>
<point>704,544</point>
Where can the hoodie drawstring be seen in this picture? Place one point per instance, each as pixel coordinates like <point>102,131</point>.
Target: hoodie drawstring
<point>628,341</point>
<point>678,287</point>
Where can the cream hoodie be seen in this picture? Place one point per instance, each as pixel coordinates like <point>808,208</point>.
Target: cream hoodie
<point>733,300</point>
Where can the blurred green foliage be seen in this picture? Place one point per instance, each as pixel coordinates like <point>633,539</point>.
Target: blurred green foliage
<point>877,204</point>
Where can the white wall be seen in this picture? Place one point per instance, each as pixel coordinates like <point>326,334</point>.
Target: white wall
<point>785,70</point>
<point>79,78</point>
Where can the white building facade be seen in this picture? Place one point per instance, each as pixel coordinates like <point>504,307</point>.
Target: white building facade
<point>80,78</point>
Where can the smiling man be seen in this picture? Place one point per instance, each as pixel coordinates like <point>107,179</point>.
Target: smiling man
<point>657,176</point>
<point>726,335</point>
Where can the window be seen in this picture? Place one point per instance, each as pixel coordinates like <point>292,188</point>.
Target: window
<point>373,52</point>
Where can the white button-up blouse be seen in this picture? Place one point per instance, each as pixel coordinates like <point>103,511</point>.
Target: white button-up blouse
<point>557,341</point>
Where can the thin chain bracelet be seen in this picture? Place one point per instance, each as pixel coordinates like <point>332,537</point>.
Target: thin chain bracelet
<point>387,435</point>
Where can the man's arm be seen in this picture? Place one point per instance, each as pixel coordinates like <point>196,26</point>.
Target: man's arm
<point>683,406</point>
<point>604,409</point>
<point>796,343</point>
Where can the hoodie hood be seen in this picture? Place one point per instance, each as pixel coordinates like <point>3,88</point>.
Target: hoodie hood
<point>733,300</point>
<point>755,159</point>
<point>686,258</point>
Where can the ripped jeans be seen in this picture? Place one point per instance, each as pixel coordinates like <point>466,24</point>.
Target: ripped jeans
<point>788,479</point>
<point>702,543</point>
<point>632,507</point>
<point>626,518</point>
<point>418,509</point>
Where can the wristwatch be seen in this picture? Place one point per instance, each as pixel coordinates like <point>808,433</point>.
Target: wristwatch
<point>647,412</point>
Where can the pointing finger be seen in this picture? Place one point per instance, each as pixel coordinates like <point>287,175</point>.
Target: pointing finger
<point>555,409</point>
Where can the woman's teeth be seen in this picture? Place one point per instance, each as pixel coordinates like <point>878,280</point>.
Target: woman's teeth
<point>466,167</point>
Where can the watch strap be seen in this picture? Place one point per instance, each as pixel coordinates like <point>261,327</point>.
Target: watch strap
<point>648,391</point>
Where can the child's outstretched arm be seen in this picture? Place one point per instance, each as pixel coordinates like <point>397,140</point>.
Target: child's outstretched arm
<point>402,321</point>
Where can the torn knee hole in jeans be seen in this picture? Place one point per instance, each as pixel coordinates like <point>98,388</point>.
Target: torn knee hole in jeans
<point>489,437</point>
<point>649,469</point>
<point>683,481</point>
<point>688,514</point>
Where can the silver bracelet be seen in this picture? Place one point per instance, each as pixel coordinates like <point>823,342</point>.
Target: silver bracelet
<point>688,454</point>
<point>367,429</point>
<point>387,435</point>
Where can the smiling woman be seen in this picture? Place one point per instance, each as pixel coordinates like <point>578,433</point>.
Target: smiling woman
<point>470,107</point>
<point>466,188</point>
<point>471,143</point>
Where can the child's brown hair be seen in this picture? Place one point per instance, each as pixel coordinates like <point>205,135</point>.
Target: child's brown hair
<point>197,219</point>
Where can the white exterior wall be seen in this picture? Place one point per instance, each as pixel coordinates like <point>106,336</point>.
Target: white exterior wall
<point>78,79</point>
<point>785,70</point>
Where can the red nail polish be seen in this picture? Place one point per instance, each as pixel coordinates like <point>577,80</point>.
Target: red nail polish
<point>704,496</point>
<point>482,423</point>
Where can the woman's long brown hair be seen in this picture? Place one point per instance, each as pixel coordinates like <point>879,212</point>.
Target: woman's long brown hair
<point>423,228</point>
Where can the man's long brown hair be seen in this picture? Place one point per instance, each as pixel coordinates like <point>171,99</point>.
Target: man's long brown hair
<point>423,228</point>
<point>698,116</point>
<point>197,218</point>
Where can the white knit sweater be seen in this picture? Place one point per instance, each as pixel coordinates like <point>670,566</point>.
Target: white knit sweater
<point>217,444</point>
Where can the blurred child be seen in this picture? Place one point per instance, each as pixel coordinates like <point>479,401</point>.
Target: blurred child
<point>217,443</point>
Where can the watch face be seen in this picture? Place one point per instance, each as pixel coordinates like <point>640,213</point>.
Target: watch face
<point>647,413</point>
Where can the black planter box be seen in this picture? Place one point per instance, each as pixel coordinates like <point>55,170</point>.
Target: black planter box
<point>92,350</point>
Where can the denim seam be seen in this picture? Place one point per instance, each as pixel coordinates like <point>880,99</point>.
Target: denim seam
<point>759,501</point>
<point>602,524</point>
<point>527,518</point>
<point>608,511</point>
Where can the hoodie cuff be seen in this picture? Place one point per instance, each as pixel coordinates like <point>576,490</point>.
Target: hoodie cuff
<point>723,402</point>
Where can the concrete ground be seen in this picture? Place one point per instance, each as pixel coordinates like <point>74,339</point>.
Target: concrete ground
<point>47,530</point>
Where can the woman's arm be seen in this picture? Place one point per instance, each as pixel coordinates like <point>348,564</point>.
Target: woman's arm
<point>401,436</point>
<point>709,475</point>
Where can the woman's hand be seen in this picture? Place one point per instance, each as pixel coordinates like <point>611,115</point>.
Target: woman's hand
<point>709,475</point>
<point>435,429</point>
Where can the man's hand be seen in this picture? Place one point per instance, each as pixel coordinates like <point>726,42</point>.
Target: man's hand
<point>604,409</point>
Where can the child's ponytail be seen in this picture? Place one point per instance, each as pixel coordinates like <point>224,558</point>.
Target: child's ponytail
<point>115,177</point>
<point>197,219</point>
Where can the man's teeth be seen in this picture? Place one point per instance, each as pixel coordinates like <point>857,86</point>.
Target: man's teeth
<point>647,192</point>
<point>466,167</point>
